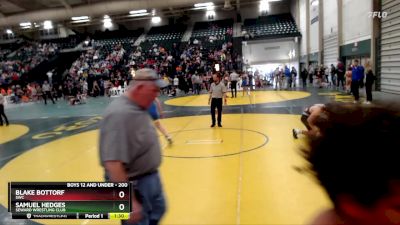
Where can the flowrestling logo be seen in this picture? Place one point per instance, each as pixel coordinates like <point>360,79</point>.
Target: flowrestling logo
<point>377,14</point>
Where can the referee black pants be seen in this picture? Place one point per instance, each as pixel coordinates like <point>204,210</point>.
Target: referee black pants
<point>216,103</point>
<point>234,87</point>
<point>2,114</point>
<point>48,94</point>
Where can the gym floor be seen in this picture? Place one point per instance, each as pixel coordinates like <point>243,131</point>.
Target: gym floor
<point>247,172</point>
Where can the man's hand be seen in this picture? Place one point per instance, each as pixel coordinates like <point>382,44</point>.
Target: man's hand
<point>209,101</point>
<point>225,101</point>
<point>136,215</point>
<point>117,173</point>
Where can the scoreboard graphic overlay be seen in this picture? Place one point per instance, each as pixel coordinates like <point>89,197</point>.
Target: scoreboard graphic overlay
<point>69,200</point>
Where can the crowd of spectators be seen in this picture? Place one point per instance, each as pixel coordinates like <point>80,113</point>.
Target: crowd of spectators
<point>104,67</point>
<point>23,60</point>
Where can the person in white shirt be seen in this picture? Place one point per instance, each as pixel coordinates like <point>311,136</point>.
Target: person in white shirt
<point>85,87</point>
<point>234,77</point>
<point>198,82</point>
<point>277,75</point>
<point>47,92</point>
<point>176,82</point>
<point>50,75</point>
<point>2,114</point>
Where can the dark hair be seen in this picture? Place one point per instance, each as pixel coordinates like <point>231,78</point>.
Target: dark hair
<point>357,153</point>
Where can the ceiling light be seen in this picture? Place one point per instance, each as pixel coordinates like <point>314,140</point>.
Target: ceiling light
<point>206,4</point>
<point>48,24</point>
<point>81,21</point>
<point>79,18</point>
<point>210,13</point>
<point>139,14</point>
<point>25,24</point>
<point>8,31</point>
<point>156,19</point>
<point>107,22</point>
<point>264,5</point>
<point>141,11</point>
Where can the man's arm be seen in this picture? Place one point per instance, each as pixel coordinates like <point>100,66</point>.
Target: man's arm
<point>315,131</point>
<point>225,101</point>
<point>117,173</point>
<point>159,107</point>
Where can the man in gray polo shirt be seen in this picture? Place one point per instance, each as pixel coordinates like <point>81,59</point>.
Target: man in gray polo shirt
<point>129,146</point>
<point>217,92</point>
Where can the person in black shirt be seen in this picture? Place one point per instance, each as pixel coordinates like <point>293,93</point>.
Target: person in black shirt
<point>369,81</point>
<point>340,75</point>
<point>304,75</point>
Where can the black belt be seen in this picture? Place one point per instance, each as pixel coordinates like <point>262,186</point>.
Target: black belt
<point>138,177</point>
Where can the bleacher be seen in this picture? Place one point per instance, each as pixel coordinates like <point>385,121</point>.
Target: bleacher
<point>111,38</point>
<point>108,44</point>
<point>6,49</point>
<point>220,31</point>
<point>274,26</point>
<point>65,43</point>
<point>164,36</point>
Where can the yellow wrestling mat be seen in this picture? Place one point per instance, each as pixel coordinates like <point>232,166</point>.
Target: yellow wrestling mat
<point>242,173</point>
<point>340,97</point>
<point>256,97</point>
<point>12,132</point>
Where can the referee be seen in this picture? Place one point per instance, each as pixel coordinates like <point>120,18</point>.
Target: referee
<point>217,92</point>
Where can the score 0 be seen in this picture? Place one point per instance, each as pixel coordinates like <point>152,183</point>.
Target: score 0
<point>121,195</point>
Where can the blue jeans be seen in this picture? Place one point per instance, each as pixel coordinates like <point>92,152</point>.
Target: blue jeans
<point>152,199</point>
